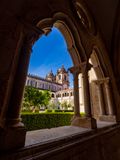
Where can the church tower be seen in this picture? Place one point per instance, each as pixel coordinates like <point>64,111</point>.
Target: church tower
<point>62,77</point>
<point>50,76</point>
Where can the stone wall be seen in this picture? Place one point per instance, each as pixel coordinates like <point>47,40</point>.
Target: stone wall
<point>103,144</point>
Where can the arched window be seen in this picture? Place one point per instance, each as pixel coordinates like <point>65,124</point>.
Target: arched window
<point>28,82</point>
<point>59,77</point>
<point>53,95</point>
<point>65,78</point>
<point>35,84</point>
<point>31,83</point>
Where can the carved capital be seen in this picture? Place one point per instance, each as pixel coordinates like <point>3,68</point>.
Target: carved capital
<point>30,37</point>
<point>101,81</point>
<point>75,70</point>
<point>85,67</point>
<point>31,33</point>
<point>107,80</point>
<point>97,82</point>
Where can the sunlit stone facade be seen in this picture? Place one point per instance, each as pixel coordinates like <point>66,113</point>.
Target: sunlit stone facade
<point>58,85</point>
<point>42,83</point>
<point>52,82</point>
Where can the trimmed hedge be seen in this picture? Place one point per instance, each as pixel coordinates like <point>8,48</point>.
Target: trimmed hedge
<point>48,110</point>
<point>35,121</point>
<point>58,110</point>
<point>68,110</point>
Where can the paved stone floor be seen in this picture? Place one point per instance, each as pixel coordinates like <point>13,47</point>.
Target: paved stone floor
<point>47,135</point>
<point>101,124</point>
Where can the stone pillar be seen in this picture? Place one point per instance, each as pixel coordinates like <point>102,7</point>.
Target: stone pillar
<point>87,121</point>
<point>76,94</point>
<point>86,89</point>
<point>75,71</point>
<point>100,96</point>
<point>81,93</point>
<point>13,136</point>
<point>109,97</point>
<point>13,115</point>
<point>105,100</point>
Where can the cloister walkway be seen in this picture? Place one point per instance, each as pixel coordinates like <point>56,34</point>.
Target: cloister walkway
<point>47,135</point>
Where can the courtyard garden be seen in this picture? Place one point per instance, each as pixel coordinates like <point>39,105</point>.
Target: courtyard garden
<point>38,112</point>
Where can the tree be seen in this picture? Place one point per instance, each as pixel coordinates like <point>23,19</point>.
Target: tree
<point>64,105</point>
<point>54,105</point>
<point>46,98</point>
<point>35,97</point>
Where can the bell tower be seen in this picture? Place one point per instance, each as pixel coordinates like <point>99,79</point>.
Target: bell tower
<point>62,77</point>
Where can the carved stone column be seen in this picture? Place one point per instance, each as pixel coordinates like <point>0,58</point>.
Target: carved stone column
<point>109,97</point>
<point>87,121</point>
<point>100,96</point>
<point>86,89</point>
<point>90,122</point>
<point>13,136</point>
<point>13,115</point>
<point>75,71</point>
<point>105,100</point>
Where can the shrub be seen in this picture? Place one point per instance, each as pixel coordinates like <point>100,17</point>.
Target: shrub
<point>48,110</point>
<point>37,121</point>
<point>58,110</point>
<point>68,110</point>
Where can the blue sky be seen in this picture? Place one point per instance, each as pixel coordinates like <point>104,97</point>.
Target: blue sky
<point>49,52</point>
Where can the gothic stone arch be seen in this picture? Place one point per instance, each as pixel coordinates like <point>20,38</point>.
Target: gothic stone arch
<point>21,35</point>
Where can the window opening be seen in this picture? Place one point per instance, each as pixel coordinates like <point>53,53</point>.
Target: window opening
<point>48,69</point>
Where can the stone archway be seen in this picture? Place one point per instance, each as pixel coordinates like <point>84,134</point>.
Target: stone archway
<point>101,94</point>
<point>83,35</point>
<point>45,26</point>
